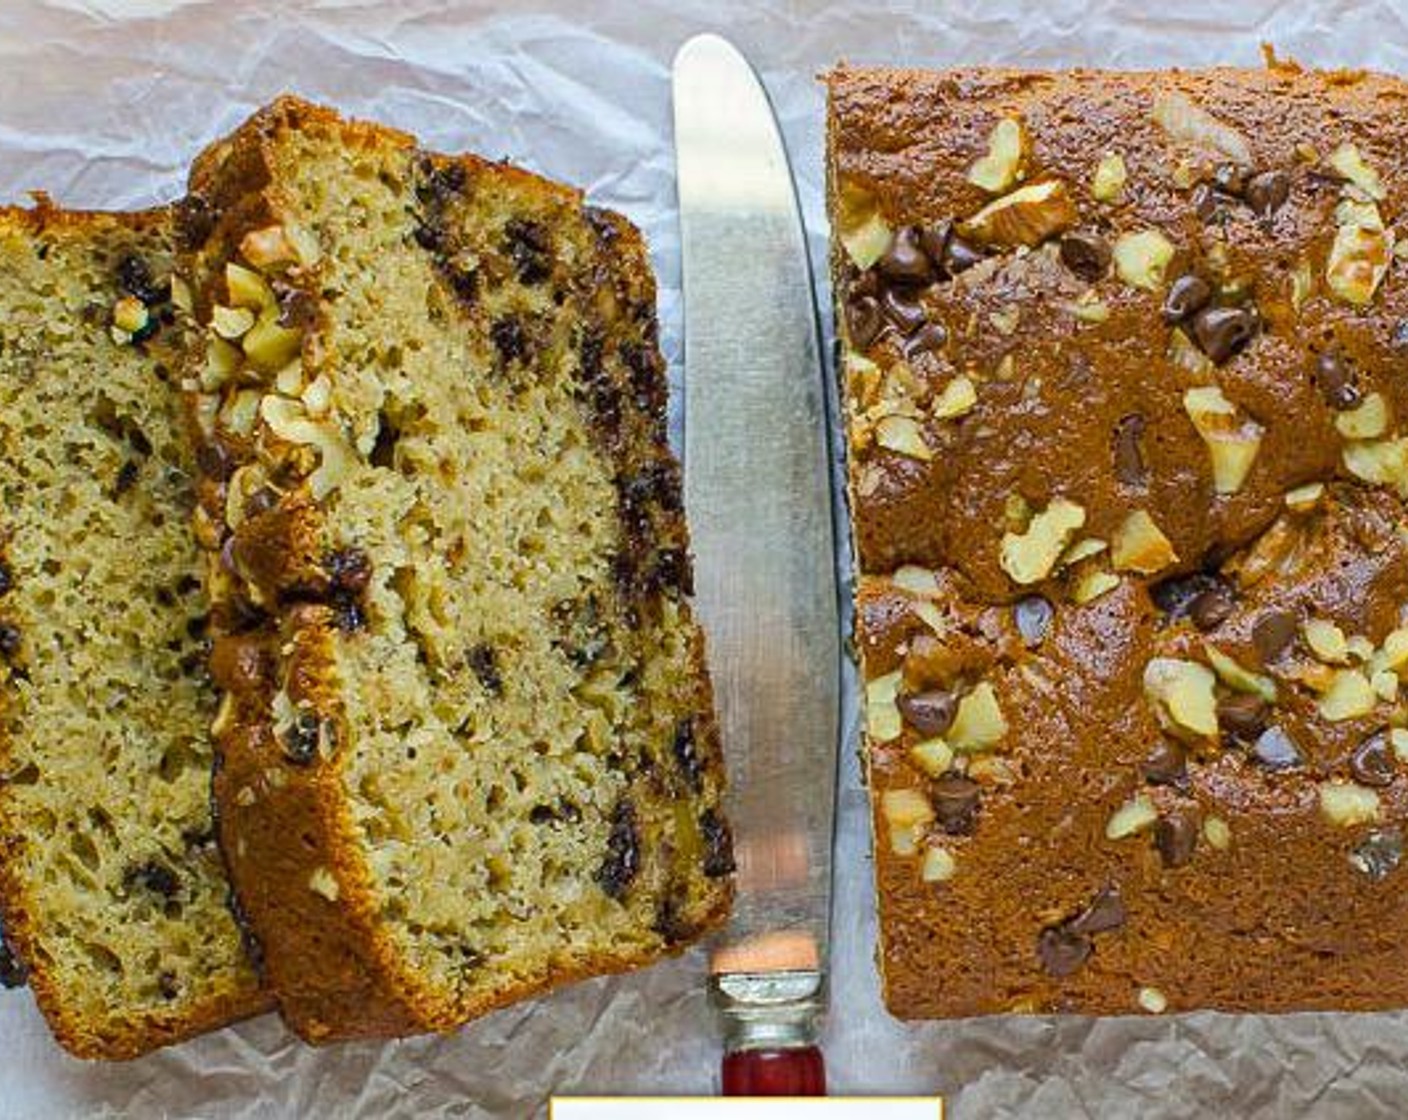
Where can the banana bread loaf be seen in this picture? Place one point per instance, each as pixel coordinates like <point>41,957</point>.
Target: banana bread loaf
<point>467,748</point>
<point>1128,451</point>
<point>112,893</point>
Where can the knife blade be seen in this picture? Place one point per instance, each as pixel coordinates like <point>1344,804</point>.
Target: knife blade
<point>759,500</point>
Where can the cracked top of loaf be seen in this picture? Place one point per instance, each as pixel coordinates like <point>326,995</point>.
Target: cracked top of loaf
<point>1125,410</point>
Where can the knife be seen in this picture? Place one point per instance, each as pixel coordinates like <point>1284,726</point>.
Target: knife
<point>759,500</point>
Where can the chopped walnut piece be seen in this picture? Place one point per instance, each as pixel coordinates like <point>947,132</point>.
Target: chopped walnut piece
<point>1030,556</point>
<point>1027,216</point>
<point>1139,545</point>
<point>1107,184</point>
<point>1232,442</point>
<point>1001,167</point>
<point>1142,258</point>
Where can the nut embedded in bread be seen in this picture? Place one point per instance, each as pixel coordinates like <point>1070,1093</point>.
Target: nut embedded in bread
<point>112,893</point>
<point>467,743</point>
<point>1159,555</point>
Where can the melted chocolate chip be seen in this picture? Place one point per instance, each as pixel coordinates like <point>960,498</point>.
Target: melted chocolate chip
<point>669,922</point>
<point>1276,750</point>
<point>348,615</point>
<point>718,845</point>
<point>7,581</point>
<point>1243,716</point>
<point>1033,615</point>
<point>905,262</point>
<point>483,659</point>
<point>349,570</point>
<point>960,255</point>
<point>154,877</point>
<point>13,973</point>
<point>864,320</point>
<point>1336,380</point>
<point>622,861</point>
<point>1087,255</point>
<point>9,639</point>
<point>126,478</point>
<point>1373,763</point>
<point>1187,295</point>
<point>934,240</point>
<point>1062,952</point>
<point>1223,331</point>
<point>301,742</point>
<point>1129,454</point>
<point>214,460</point>
<point>1378,854</point>
<point>902,310</point>
<point>530,247</point>
<point>1211,608</point>
<point>1267,192</point>
<point>686,753</point>
<point>509,338</point>
<point>1105,912</point>
<point>134,276</point>
<point>1167,764</point>
<point>1272,633</point>
<point>1230,178</point>
<point>927,339</point>
<point>1177,595</point>
<point>1176,838</point>
<point>930,712</point>
<point>955,799</point>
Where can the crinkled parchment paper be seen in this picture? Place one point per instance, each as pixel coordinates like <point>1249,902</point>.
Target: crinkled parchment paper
<point>103,102</point>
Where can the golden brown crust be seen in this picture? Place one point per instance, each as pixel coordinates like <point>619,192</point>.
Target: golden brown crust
<point>140,1031</point>
<point>284,821</point>
<point>1238,888</point>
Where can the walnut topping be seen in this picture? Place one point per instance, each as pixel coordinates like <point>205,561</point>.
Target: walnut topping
<point>957,399</point>
<point>1352,167</point>
<point>860,226</point>
<point>1188,123</point>
<point>1093,584</point>
<point>1027,216</point>
<point>978,724</point>
<point>1348,696</point>
<point>1139,545</point>
<point>1217,833</point>
<point>882,714</point>
<point>1326,641</point>
<point>1381,462</point>
<point>1369,421</point>
<point>279,245</point>
<point>1001,167</point>
<point>902,435</point>
<point>322,882</point>
<point>1305,498</point>
<point>1135,815</point>
<point>932,756</point>
<point>246,288</point>
<point>938,865</point>
<point>289,420</point>
<point>1029,557</point>
<point>1360,254</point>
<point>1236,677</point>
<point>1152,1000</point>
<point>1232,442</point>
<point>908,814</point>
<point>1182,693</point>
<point>1107,184</point>
<point>231,323</point>
<point>1142,258</point>
<point>1347,804</point>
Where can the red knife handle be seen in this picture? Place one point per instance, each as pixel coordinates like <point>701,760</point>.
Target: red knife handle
<point>796,1072</point>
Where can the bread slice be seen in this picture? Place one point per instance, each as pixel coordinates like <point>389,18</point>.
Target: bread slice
<point>467,745</point>
<point>111,887</point>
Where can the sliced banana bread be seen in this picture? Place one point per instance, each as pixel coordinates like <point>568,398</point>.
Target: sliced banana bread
<point>467,749</point>
<point>111,888</point>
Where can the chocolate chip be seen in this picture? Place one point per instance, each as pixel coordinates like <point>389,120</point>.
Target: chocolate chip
<point>955,800</point>
<point>903,310</point>
<point>1062,952</point>
<point>1178,596</point>
<point>905,261</point>
<point>931,712</point>
<point>1033,615</point>
<point>154,877</point>
<point>1087,255</point>
<point>1336,380</point>
<point>7,581</point>
<point>126,478</point>
<point>1129,455</point>
<point>9,639</point>
<point>348,615</point>
<point>305,738</point>
<point>509,338</point>
<point>1272,633</point>
<point>934,240</point>
<point>1212,608</point>
<point>1242,715</point>
<point>670,923</point>
<point>960,255</point>
<point>134,276</point>
<point>1223,331</point>
<point>530,247</point>
<point>1372,762</point>
<point>1176,838</point>
<point>718,845</point>
<point>928,338</point>
<point>1267,192</point>
<point>349,570</point>
<point>214,460</point>
<point>13,973</point>
<point>864,320</point>
<point>1187,295</point>
<point>1167,764</point>
<point>483,659</point>
<point>1230,178</point>
<point>686,753</point>
<point>1276,750</point>
<point>1105,912</point>
<point>1206,202</point>
<point>622,861</point>
<point>1376,856</point>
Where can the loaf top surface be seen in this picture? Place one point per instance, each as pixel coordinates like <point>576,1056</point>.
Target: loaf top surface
<point>111,890</point>
<point>1123,383</point>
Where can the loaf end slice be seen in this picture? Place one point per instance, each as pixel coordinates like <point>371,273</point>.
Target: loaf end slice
<point>467,744</point>
<point>112,893</point>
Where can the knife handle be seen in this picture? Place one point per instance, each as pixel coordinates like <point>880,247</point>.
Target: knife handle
<point>795,1072</point>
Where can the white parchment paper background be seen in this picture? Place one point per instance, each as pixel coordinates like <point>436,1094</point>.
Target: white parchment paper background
<point>103,102</point>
